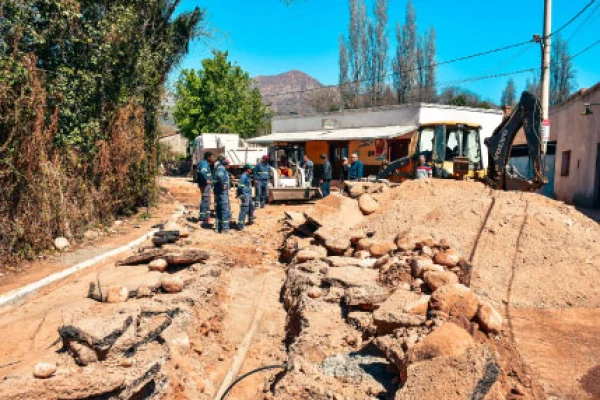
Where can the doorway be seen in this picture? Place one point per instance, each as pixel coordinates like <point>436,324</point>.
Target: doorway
<point>337,151</point>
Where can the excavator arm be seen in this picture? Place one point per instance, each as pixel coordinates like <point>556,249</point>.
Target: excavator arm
<point>527,114</point>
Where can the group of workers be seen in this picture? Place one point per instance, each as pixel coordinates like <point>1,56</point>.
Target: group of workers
<point>348,172</point>
<point>213,178</point>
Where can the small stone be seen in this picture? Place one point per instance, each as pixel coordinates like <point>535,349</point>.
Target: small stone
<point>437,279</point>
<point>362,254</point>
<point>448,258</point>
<point>90,236</point>
<point>337,246</point>
<point>61,243</point>
<point>382,261</point>
<point>382,248</point>
<point>116,294</point>
<point>365,244</point>
<point>172,284</point>
<point>367,204</point>
<point>356,236</point>
<point>314,293</point>
<point>404,243</point>
<point>427,251</point>
<point>420,265</point>
<point>418,307</point>
<point>143,291</point>
<point>44,370</point>
<point>159,265</point>
<point>126,362</point>
<point>489,319</point>
<point>365,295</point>
<point>311,253</point>
<point>184,233</point>
<point>426,242</point>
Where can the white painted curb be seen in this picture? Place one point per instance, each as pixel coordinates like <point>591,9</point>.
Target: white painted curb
<point>15,295</point>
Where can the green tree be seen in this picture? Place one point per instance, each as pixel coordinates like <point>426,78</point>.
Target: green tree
<point>218,98</point>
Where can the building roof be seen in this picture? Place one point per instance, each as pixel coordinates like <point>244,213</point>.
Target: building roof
<point>382,132</point>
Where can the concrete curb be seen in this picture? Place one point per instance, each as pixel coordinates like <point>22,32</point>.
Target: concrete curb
<point>17,294</point>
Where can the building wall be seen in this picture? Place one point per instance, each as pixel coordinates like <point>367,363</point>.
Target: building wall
<point>579,134</point>
<point>177,143</point>
<point>401,115</point>
<point>488,119</point>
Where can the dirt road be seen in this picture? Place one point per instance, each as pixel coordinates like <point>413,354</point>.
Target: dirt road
<point>251,279</point>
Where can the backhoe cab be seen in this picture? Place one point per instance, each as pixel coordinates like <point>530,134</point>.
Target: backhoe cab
<point>452,148</point>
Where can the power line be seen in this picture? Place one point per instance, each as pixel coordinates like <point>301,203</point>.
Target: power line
<point>585,21</point>
<point>393,73</point>
<point>569,22</point>
<point>585,50</point>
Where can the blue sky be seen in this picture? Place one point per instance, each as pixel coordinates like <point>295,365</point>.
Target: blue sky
<point>267,37</point>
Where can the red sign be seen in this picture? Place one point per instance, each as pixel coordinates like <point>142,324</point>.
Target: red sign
<point>546,122</point>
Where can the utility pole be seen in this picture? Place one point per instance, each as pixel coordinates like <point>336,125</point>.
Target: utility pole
<point>546,43</point>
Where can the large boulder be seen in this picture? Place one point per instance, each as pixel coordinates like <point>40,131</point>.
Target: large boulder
<point>367,204</point>
<point>437,279</point>
<point>489,319</point>
<point>455,300</point>
<point>394,312</point>
<point>447,340</point>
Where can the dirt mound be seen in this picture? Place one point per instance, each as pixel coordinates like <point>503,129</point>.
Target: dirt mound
<point>393,327</point>
<point>529,250</point>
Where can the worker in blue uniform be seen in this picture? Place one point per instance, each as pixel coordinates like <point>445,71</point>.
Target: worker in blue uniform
<point>262,172</point>
<point>222,205</point>
<point>205,182</point>
<point>356,168</point>
<point>244,193</point>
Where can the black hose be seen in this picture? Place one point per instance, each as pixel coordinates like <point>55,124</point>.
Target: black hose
<point>247,374</point>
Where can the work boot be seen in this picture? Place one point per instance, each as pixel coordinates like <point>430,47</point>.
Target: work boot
<point>251,221</point>
<point>240,227</point>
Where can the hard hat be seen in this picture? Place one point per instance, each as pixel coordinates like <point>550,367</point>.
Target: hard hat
<point>225,162</point>
<point>248,166</point>
<point>265,158</point>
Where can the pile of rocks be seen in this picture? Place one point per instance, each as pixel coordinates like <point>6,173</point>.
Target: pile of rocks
<point>122,349</point>
<point>407,297</point>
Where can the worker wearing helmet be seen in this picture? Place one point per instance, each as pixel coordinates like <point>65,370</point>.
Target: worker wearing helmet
<point>222,206</point>
<point>262,172</point>
<point>205,183</point>
<point>244,193</point>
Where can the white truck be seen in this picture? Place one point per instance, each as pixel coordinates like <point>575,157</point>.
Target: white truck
<point>237,150</point>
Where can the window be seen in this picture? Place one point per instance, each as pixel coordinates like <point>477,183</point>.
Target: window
<point>565,163</point>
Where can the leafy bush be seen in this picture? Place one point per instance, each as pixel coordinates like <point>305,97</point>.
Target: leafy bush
<point>80,88</point>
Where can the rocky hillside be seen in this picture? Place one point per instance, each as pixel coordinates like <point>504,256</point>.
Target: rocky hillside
<point>290,82</point>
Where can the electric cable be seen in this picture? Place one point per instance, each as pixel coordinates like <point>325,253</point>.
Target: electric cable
<point>247,374</point>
